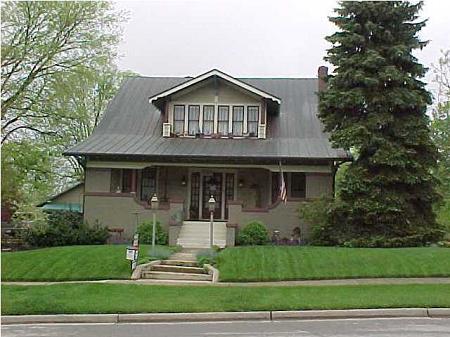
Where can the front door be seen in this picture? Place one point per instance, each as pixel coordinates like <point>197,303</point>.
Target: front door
<point>221,185</point>
<point>212,186</point>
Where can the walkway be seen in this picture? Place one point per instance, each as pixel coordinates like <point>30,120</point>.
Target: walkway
<point>339,282</point>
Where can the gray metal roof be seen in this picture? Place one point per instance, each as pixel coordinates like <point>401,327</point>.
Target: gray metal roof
<point>131,126</point>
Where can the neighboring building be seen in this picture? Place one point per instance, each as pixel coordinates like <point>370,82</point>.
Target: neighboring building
<point>186,139</point>
<point>68,200</point>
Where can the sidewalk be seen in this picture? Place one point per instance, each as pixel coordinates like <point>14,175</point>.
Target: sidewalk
<point>337,282</point>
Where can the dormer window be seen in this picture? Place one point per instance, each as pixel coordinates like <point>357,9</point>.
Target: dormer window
<point>238,121</point>
<point>223,119</point>
<point>193,120</point>
<point>178,119</point>
<point>252,120</point>
<point>208,120</point>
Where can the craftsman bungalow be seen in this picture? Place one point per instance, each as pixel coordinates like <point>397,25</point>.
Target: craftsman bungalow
<point>185,139</point>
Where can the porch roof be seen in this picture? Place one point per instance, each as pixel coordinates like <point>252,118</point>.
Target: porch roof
<point>132,126</point>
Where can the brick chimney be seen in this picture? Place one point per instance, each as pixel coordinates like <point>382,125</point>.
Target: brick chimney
<point>322,74</point>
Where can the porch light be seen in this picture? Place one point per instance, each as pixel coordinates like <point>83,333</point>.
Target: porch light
<point>154,202</point>
<point>212,207</point>
<point>241,182</point>
<point>183,181</point>
<point>212,204</point>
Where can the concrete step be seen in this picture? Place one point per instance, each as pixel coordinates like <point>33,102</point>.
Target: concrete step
<point>179,263</point>
<point>183,257</point>
<point>160,275</point>
<point>199,243</point>
<point>178,269</point>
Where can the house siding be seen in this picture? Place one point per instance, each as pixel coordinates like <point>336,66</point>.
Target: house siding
<point>74,196</point>
<point>252,200</point>
<point>97,179</point>
<point>318,185</point>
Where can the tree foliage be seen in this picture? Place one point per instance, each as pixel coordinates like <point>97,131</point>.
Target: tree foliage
<point>376,105</point>
<point>42,41</point>
<point>440,127</point>
<point>58,74</point>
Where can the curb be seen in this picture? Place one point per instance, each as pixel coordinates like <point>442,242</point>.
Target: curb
<point>230,316</point>
<point>195,317</point>
<point>33,319</point>
<point>352,313</point>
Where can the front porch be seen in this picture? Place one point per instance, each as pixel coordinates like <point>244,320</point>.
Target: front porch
<point>242,193</point>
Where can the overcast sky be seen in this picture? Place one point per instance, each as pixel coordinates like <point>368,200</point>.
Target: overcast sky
<point>260,38</point>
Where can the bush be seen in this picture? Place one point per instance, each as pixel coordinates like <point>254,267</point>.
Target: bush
<point>207,256</point>
<point>145,231</point>
<point>254,233</point>
<point>316,214</point>
<point>160,253</point>
<point>65,228</point>
<point>328,228</point>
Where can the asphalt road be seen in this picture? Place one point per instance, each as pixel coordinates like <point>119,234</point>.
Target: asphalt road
<point>387,327</point>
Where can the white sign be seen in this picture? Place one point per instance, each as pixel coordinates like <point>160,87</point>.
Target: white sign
<point>131,253</point>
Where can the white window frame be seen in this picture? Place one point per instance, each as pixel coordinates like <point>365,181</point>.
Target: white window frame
<point>216,113</point>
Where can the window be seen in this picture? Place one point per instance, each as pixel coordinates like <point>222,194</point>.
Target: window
<point>178,119</point>
<point>193,121</point>
<point>115,180</point>
<point>222,125</point>
<point>121,180</point>
<point>238,120</point>
<point>208,119</point>
<point>126,181</point>
<point>148,183</point>
<point>252,120</point>
<point>298,185</point>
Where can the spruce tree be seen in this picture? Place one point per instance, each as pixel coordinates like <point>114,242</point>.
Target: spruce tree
<point>375,104</point>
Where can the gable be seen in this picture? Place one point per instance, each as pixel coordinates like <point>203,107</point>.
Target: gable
<point>214,74</point>
<point>215,91</point>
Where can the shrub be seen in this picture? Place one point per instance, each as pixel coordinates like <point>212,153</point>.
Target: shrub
<point>160,253</point>
<point>207,256</point>
<point>254,233</point>
<point>316,214</point>
<point>328,225</point>
<point>145,231</point>
<point>64,228</point>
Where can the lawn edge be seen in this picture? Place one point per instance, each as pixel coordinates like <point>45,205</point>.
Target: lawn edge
<point>229,316</point>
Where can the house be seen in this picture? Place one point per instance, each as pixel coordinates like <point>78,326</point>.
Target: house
<point>70,199</point>
<point>186,139</point>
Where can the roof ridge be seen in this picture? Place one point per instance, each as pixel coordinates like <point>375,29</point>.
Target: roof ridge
<point>239,78</point>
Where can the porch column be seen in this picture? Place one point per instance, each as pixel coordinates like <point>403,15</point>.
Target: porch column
<point>133,181</point>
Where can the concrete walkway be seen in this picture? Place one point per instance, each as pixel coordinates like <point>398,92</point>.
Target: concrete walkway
<point>339,282</point>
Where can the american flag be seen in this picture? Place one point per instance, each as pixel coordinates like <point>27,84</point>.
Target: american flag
<point>283,192</point>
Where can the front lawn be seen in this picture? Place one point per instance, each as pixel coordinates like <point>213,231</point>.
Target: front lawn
<point>118,298</point>
<point>68,263</point>
<point>275,263</point>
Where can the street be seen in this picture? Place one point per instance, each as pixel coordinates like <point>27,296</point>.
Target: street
<point>387,327</point>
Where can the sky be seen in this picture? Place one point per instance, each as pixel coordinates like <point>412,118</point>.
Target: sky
<point>245,38</point>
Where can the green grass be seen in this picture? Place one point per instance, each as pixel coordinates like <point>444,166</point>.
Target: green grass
<point>269,263</point>
<point>115,298</point>
<point>72,263</point>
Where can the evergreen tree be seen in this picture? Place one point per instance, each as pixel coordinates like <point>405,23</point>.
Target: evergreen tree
<point>376,105</point>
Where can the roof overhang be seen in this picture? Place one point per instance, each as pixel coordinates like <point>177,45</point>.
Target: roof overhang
<point>219,74</point>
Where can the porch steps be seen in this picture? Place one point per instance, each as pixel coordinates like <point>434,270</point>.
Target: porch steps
<point>163,275</point>
<point>195,234</point>
<point>179,263</point>
<point>178,269</point>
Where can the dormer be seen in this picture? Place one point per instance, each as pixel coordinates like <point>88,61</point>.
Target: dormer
<point>215,105</point>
